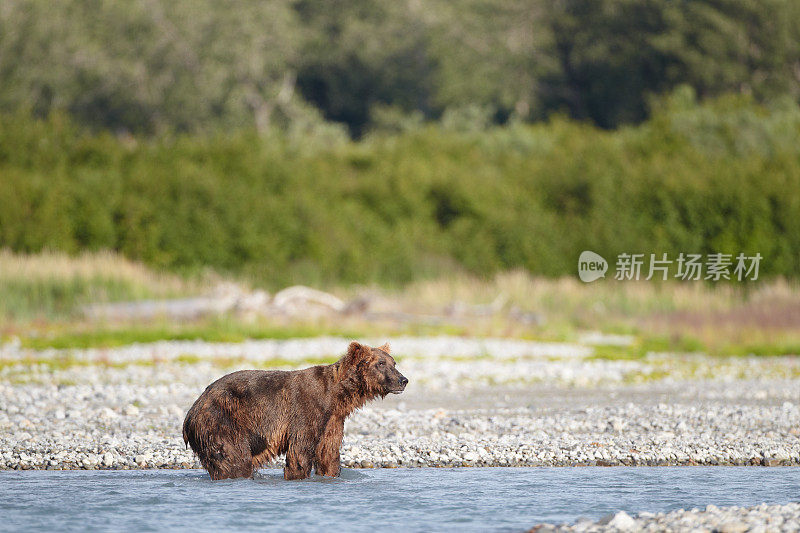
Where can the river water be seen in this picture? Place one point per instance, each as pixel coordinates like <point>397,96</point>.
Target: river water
<point>426,499</point>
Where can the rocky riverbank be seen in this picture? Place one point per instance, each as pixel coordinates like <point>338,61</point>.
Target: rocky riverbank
<point>532,404</point>
<point>758,519</point>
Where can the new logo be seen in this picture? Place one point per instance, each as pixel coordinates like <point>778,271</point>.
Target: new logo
<point>591,266</point>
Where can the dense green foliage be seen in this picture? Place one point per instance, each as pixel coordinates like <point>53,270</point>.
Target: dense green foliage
<point>150,66</point>
<point>719,177</point>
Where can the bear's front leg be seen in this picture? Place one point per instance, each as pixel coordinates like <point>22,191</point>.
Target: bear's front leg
<point>329,465</point>
<point>299,459</point>
<point>326,457</point>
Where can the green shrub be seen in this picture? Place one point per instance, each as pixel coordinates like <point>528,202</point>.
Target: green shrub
<point>719,177</point>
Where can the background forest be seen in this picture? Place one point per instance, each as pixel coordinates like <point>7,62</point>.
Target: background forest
<point>377,141</point>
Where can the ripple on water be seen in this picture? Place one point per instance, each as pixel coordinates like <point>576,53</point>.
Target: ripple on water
<point>476,499</point>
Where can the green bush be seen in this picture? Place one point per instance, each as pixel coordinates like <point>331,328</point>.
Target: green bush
<point>719,177</point>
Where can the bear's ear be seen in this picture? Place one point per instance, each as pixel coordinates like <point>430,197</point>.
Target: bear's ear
<point>355,354</point>
<point>356,351</point>
<point>386,348</point>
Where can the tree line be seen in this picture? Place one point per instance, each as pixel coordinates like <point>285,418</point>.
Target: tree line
<point>203,66</point>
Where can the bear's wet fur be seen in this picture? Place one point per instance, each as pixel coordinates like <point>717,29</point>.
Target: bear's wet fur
<point>245,419</point>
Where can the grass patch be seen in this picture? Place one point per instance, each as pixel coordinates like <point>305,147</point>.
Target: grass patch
<point>646,377</point>
<point>767,349</point>
<point>688,344</point>
<point>211,331</point>
<point>616,353</point>
<point>675,343</point>
<point>644,345</point>
<point>311,361</point>
<point>53,364</point>
<point>62,363</point>
<point>229,362</point>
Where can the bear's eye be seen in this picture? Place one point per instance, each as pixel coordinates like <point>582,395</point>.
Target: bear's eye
<point>381,363</point>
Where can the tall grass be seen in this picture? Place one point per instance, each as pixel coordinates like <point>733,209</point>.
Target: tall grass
<point>40,296</point>
<point>721,318</point>
<point>53,285</point>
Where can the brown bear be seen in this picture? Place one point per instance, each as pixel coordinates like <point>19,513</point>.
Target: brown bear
<point>247,418</point>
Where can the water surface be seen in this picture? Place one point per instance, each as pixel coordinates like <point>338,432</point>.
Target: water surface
<point>429,499</point>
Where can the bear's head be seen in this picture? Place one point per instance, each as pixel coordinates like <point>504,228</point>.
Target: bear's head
<point>372,370</point>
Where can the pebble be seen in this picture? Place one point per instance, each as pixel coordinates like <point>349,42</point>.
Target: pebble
<point>718,519</point>
<point>622,521</point>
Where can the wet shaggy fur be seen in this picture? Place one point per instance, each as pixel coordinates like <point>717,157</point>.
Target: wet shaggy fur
<point>247,418</point>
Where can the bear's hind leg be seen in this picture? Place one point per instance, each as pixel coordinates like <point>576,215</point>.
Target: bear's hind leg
<point>231,470</point>
<point>230,461</point>
<point>243,469</point>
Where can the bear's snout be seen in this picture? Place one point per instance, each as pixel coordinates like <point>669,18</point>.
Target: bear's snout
<point>401,383</point>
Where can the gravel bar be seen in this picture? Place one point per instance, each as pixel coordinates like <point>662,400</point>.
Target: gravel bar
<point>757,519</point>
<point>484,402</point>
